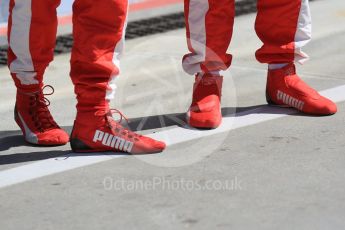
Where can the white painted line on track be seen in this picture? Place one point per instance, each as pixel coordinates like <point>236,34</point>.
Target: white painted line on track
<point>173,136</point>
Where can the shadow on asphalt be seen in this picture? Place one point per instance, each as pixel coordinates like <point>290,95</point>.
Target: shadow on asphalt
<point>12,139</point>
<point>179,119</point>
<point>29,157</point>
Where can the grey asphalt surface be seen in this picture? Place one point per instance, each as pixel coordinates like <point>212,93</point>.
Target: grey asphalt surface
<point>287,173</point>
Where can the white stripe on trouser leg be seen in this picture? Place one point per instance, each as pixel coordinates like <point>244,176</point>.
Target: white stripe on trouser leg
<point>19,42</point>
<point>197,30</point>
<point>119,48</point>
<point>303,33</point>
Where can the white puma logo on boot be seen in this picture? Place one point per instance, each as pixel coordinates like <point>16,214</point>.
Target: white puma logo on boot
<point>288,100</point>
<point>113,141</point>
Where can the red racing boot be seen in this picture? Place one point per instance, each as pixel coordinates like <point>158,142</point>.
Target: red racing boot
<point>34,119</point>
<point>285,88</point>
<point>99,132</point>
<point>205,110</point>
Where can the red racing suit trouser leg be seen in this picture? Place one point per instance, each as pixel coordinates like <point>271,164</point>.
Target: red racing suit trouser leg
<point>98,31</point>
<point>284,27</point>
<point>32,27</point>
<point>209,26</point>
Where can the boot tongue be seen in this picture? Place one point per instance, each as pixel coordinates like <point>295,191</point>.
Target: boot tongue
<point>289,70</point>
<point>109,114</point>
<point>103,112</point>
<point>286,71</point>
<point>208,79</point>
<point>208,104</point>
<point>26,96</point>
<point>41,106</point>
<point>111,118</point>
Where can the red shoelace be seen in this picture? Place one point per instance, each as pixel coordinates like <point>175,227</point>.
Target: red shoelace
<point>38,109</point>
<point>116,126</point>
